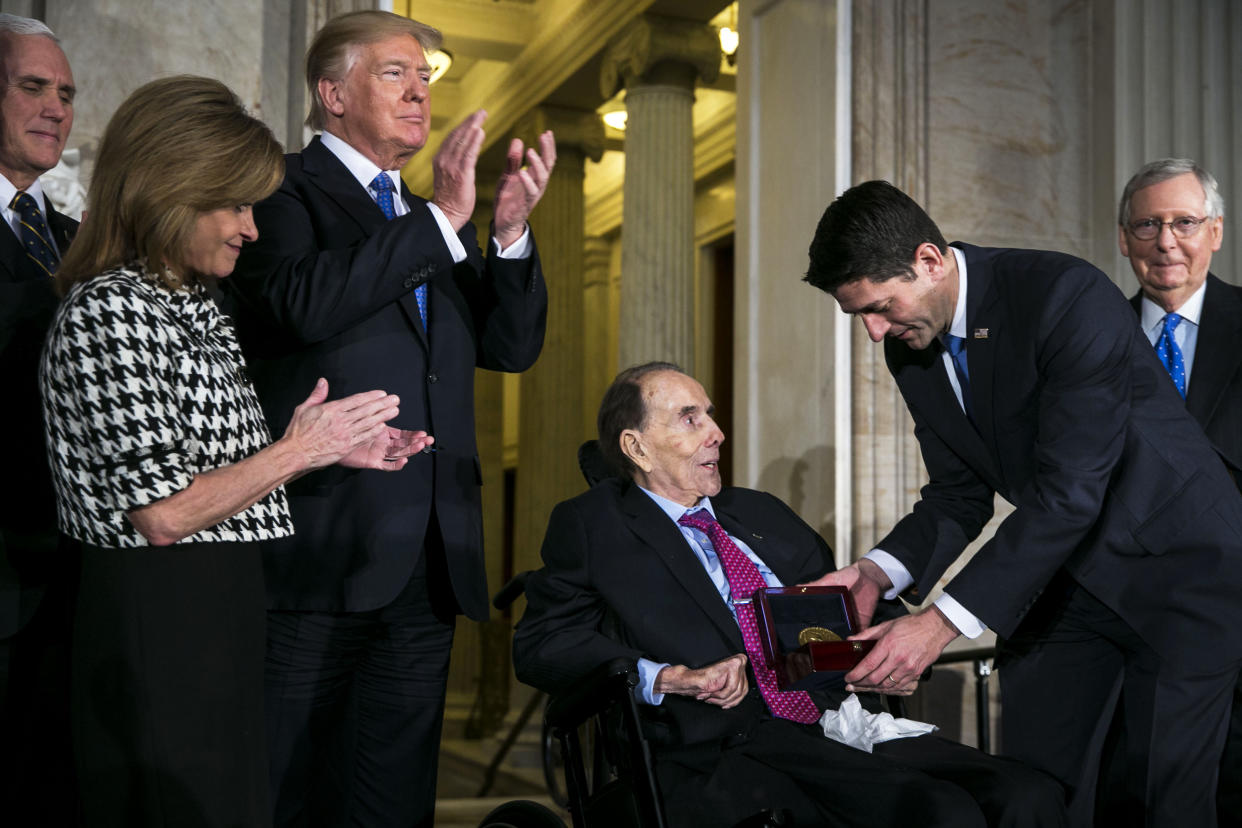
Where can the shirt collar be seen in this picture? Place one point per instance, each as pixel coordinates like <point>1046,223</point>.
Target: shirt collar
<point>359,166</point>
<point>958,328</point>
<point>675,510</point>
<point>7,191</point>
<point>1190,311</point>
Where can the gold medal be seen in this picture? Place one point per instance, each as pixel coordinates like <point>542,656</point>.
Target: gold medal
<point>810,634</point>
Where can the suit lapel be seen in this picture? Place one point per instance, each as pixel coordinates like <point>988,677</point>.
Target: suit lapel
<point>1217,358</point>
<point>983,329</point>
<point>654,529</point>
<point>335,181</point>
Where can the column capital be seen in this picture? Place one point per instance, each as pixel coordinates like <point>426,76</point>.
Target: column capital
<point>580,129</point>
<point>643,50</point>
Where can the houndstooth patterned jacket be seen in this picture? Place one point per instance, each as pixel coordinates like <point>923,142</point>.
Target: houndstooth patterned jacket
<point>143,388</point>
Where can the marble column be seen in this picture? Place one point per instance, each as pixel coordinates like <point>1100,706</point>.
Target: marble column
<point>890,94</point>
<point>551,400</point>
<point>597,369</point>
<point>658,61</point>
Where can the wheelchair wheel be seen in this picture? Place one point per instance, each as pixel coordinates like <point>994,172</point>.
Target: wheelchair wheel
<point>522,813</point>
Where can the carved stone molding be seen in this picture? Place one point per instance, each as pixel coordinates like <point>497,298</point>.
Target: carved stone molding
<point>659,50</point>
<point>579,129</point>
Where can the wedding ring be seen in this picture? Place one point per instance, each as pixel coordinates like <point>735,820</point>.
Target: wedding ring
<point>890,678</point>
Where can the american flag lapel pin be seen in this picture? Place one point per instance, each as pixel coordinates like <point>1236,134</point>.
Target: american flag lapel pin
<point>981,333</point>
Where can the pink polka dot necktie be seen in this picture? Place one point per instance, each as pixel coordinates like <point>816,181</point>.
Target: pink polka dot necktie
<point>744,579</point>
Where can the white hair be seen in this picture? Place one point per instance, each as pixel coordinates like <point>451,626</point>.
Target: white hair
<point>12,24</point>
<point>1163,169</point>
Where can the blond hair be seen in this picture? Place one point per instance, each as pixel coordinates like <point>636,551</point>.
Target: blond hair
<point>175,149</point>
<point>335,48</point>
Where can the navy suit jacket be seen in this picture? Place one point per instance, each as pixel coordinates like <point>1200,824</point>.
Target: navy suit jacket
<point>27,302</point>
<point>328,290</point>
<point>1080,429</point>
<point>620,581</point>
<point>1214,396</point>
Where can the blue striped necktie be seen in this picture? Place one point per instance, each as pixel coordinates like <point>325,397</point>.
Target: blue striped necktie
<point>35,236</point>
<point>383,187</point>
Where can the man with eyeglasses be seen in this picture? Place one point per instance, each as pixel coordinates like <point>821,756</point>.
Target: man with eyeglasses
<point>1170,222</point>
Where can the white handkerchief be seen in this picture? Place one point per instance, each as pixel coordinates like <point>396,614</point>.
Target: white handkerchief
<point>853,726</point>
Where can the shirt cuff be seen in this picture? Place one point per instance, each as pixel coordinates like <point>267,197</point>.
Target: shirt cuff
<point>520,249</point>
<point>645,691</point>
<point>894,569</point>
<point>456,249</point>
<point>965,621</point>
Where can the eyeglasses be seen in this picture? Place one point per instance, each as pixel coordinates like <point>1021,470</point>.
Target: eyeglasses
<point>1183,227</point>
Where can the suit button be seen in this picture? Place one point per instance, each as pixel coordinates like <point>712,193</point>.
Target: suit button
<point>432,378</point>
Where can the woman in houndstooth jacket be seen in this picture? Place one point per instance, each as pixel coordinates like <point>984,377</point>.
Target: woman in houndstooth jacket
<point>164,467</point>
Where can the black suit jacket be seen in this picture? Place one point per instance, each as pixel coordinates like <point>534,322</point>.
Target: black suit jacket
<point>1079,428</point>
<point>327,290</point>
<point>28,509</point>
<point>619,580</point>
<point>1214,396</point>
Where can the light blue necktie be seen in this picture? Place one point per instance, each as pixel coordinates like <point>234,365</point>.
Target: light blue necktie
<point>1171,355</point>
<point>383,187</point>
<point>957,350</point>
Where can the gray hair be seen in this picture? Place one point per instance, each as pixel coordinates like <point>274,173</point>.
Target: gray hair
<point>1164,169</point>
<point>12,24</point>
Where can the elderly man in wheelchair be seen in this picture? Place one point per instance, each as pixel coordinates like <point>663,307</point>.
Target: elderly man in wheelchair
<point>655,565</point>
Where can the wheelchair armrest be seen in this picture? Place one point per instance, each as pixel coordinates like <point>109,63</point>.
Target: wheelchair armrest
<point>592,694</point>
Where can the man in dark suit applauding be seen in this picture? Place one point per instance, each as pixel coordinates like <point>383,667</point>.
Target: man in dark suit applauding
<point>1121,564</point>
<point>1170,221</point>
<point>654,566</point>
<point>37,565</point>
<point>355,279</point>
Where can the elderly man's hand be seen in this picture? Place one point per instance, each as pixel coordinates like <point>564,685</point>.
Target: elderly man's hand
<point>453,169</point>
<point>521,187</point>
<point>866,583</point>
<point>904,648</point>
<point>722,684</point>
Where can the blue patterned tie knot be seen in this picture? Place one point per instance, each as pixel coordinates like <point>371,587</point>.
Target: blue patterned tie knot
<point>1170,355</point>
<point>36,238</point>
<point>383,188</point>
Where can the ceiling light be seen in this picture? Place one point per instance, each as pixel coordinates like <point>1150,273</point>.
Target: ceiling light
<point>728,42</point>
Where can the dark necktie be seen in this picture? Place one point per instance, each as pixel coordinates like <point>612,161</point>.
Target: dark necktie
<point>1170,354</point>
<point>957,350</point>
<point>383,187</point>
<point>35,236</point>
<point>744,579</point>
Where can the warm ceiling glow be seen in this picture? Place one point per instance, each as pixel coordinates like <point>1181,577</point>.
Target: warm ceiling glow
<point>616,119</point>
<point>440,60</point>
<point>728,41</point>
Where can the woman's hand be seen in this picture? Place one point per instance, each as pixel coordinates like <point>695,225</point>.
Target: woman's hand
<point>325,432</point>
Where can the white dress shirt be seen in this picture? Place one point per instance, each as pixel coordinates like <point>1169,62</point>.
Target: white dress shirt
<point>1186,334</point>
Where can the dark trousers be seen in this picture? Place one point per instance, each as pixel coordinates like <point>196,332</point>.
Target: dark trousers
<point>37,780</point>
<point>926,781</point>
<point>1061,676</point>
<point>355,703</point>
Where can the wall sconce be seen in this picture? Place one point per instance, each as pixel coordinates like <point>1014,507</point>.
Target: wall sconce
<point>616,119</point>
<point>728,44</point>
<point>440,60</point>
